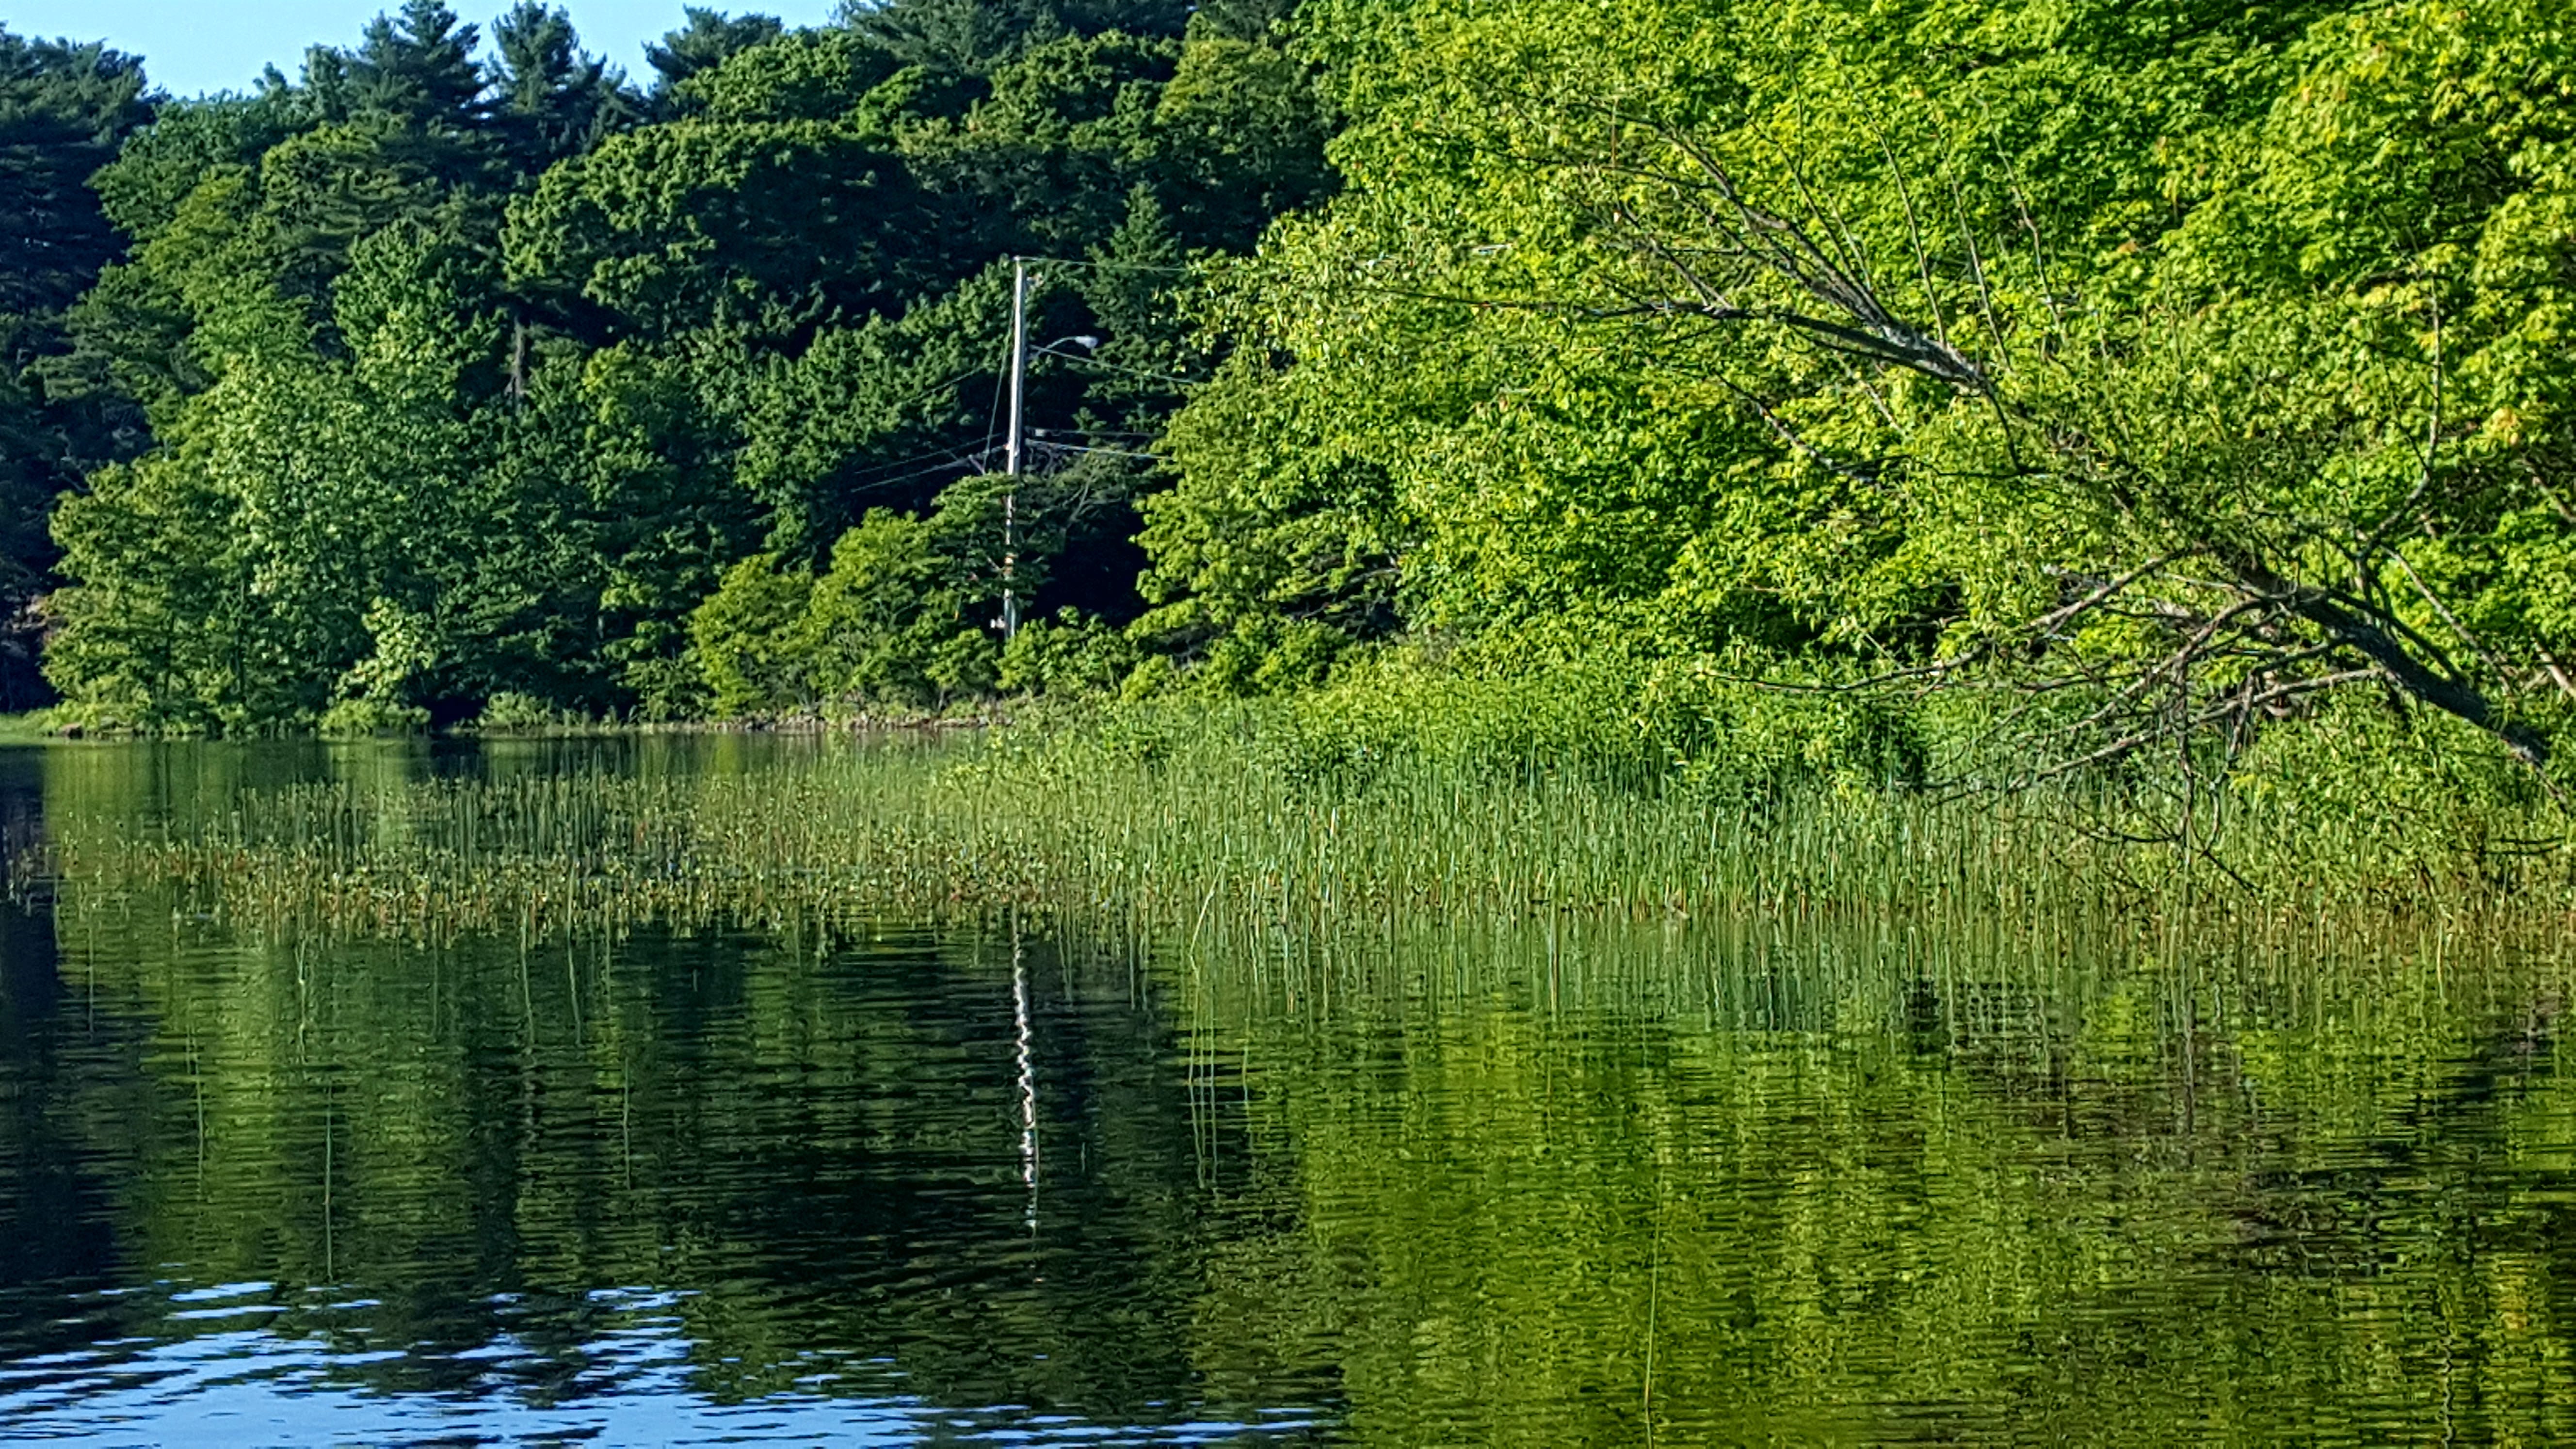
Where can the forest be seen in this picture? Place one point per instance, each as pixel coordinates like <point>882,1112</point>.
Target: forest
<point>1367,722</point>
<point>2010,391</point>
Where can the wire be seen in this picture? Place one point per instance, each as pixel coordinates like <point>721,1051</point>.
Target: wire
<point>1109,266</point>
<point>1117,367</point>
<point>939,458</point>
<point>1109,452</point>
<point>882,483</point>
<point>993,418</point>
<point>864,478</point>
<point>934,389</point>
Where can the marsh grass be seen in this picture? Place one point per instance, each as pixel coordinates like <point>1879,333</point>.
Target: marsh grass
<point>1186,823</point>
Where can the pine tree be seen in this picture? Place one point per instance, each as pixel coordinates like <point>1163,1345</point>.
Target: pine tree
<point>550,98</point>
<point>709,39</point>
<point>64,110</point>
<point>420,68</point>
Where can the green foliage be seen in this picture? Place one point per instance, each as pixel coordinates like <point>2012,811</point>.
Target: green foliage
<point>552,99</point>
<point>1068,655</point>
<point>1389,803</point>
<point>692,224</point>
<point>883,612</point>
<point>509,712</point>
<point>892,622</point>
<point>1849,396</point>
<point>805,75</point>
<point>706,41</point>
<point>2219,346</point>
<point>64,110</point>
<point>750,637</point>
<point>536,363</point>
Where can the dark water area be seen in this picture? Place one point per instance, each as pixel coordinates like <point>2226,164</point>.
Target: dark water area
<point>853,1181</point>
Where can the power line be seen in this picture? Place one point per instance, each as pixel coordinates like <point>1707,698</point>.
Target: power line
<point>934,388</point>
<point>939,458</point>
<point>1110,266</point>
<point>930,472</point>
<point>993,417</point>
<point>1108,452</point>
<point>1118,367</point>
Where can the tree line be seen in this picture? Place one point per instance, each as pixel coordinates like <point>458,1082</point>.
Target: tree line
<point>2112,382</point>
<point>422,382</point>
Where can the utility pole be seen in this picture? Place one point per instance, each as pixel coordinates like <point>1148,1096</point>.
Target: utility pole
<point>1011,497</point>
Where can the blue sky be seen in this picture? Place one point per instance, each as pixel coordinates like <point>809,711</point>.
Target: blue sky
<point>192,46</point>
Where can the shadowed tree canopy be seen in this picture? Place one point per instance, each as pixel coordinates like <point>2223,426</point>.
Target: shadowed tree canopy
<point>65,108</point>
<point>973,35</point>
<point>419,66</point>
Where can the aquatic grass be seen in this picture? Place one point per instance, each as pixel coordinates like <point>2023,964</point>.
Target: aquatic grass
<point>1186,820</point>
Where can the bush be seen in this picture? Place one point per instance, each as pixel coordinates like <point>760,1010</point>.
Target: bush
<point>751,637</point>
<point>880,617</point>
<point>510,710</point>
<point>668,687</point>
<point>1070,655</point>
<point>358,717</point>
<point>1271,656</point>
<point>888,624</point>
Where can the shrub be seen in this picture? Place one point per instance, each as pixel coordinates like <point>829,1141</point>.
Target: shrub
<point>1070,654</point>
<point>751,638</point>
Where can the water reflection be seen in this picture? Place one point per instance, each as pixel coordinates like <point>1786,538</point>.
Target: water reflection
<point>884,1182</point>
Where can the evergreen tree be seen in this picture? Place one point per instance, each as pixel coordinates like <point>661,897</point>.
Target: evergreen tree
<point>550,100</point>
<point>64,110</point>
<point>419,68</point>
<point>710,38</point>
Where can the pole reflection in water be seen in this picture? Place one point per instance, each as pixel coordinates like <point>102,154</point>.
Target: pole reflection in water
<point>1027,1044</point>
<point>1568,1187</point>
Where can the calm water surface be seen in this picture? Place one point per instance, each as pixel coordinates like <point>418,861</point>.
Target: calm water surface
<point>819,1180</point>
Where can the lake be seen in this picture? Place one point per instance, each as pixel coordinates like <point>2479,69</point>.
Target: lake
<point>807,1173</point>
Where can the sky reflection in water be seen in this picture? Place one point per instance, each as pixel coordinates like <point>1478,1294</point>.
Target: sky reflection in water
<point>888,1183</point>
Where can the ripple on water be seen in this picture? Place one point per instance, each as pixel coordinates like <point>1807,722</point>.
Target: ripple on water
<point>868,1182</point>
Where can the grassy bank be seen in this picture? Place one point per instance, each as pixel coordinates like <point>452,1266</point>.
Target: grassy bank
<point>1306,820</point>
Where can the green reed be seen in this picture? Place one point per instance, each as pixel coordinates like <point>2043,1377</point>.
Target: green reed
<point>1228,821</point>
